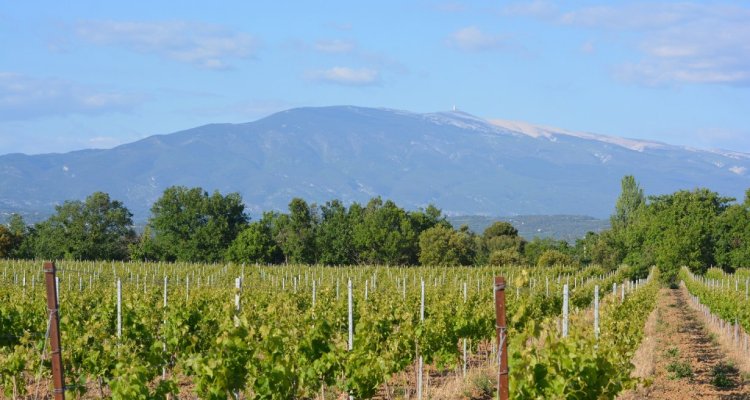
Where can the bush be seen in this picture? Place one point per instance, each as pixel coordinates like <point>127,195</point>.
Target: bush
<point>551,258</point>
<point>509,256</point>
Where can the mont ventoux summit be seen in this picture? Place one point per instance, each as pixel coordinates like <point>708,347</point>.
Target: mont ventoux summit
<point>463,164</point>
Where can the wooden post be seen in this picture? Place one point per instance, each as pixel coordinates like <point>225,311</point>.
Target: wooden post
<point>420,367</point>
<point>502,340</point>
<point>351,320</point>
<point>58,379</point>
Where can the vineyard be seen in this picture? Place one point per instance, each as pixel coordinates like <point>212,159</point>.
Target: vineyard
<point>724,300</point>
<point>246,331</point>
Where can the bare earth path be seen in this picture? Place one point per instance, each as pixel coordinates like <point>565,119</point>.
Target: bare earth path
<point>681,357</point>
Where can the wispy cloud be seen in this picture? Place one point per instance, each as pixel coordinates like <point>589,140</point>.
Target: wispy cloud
<point>471,39</point>
<point>346,76</point>
<point>34,138</point>
<point>340,26</point>
<point>249,109</point>
<point>678,42</point>
<point>24,97</point>
<point>103,142</point>
<point>335,46</point>
<point>203,45</point>
<point>350,52</point>
<point>639,16</point>
<point>450,7</point>
<point>588,47</point>
<point>536,8</point>
<point>708,45</point>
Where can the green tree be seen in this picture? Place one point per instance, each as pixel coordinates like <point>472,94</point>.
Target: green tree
<point>627,226</point>
<point>732,235</point>
<point>534,249</point>
<point>96,229</point>
<point>295,232</point>
<point>24,235</point>
<point>630,201</point>
<point>384,234</point>
<point>504,257</point>
<point>190,225</point>
<point>441,245</point>
<point>145,248</point>
<point>423,220</point>
<point>496,238</point>
<point>605,250</point>
<point>255,245</point>
<point>551,257</point>
<point>7,242</point>
<point>12,238</point>
<point>678,230</point>
<point>334,235</point>
<point>500,228</point>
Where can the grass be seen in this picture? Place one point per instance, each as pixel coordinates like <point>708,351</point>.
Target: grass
<point>719,375</point>
<point>482,387</point>
<point>714,339</point>
<point>679,370</point>
<point>672,352</point>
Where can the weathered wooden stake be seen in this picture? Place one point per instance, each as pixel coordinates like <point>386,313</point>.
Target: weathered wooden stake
<point>502,379</point>
<point>58,378</point>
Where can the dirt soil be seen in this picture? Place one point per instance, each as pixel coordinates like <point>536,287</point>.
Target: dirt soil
<point>681,359</point>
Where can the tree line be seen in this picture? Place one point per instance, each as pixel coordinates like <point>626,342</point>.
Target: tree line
<point>189,224</point>
<point>697,228</point>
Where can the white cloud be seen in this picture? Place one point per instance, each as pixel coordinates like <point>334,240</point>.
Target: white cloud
<point>683,42</point>
<point>346,76</point>
<point>588,47</point>
<point>24,97</point>
<point>335,46</point>
<point>738,170</point>
<point>680,42</point>
<point>204,45</point>
<point>472,39</point>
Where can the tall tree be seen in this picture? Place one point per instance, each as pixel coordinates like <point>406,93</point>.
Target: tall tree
<point>441,245</point>
<point>732,235</point>
<point>97,228</point>
<point>7,242</point>
<point>501,239</point>
<point>679,230</point>
<point>334,235</point>
<point>12,238</point>
<point>427,218</point>
<point>255,245</point>
<point>385,235</point>
<point>191,225</point>
<point>630,201</point>
<point>534,249</point>
<point>298,232</point>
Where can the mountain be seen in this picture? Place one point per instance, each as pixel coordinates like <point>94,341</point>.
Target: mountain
<point>461,163</point>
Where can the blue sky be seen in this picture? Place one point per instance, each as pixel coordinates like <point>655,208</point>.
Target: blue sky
<point>97,74</point>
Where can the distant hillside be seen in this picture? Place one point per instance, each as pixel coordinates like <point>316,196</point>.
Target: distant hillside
<point>559,227</point>
<point>463,164</point>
